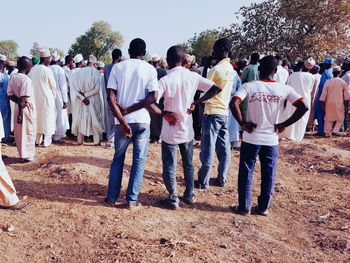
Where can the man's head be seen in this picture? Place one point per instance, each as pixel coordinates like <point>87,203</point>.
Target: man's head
<point>254,58</point>
<point>268,66</point>
<point>279,59</point>
<point>92,61</point>
<point>174,56</point>
<point>68,61</point>
<point>24,65</point>
<point>328,63</point>
<point>2,66</point>
<point>45,56</point>
<point>78,60</point>
<point>137,48</point>
<point>116,55</point>
<point>315,69</point>
<point>188,61</point>
<point>336,71</point>
<point>221,48</point>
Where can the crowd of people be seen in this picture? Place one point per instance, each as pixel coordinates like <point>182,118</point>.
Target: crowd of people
<point>174,102</point>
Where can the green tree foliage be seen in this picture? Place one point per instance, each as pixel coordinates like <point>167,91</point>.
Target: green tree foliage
<point>98,40</point>
<point>9,48</point>
<point>293,28</point>
<point>201,44</point>
<point>34,51</point>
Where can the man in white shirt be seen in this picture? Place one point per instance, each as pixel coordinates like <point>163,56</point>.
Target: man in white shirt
<point>178,88</point>
<point>346,77</point>
<point>260,137</point>
<point>282,74</point>
<point>44,96</point>
<point>132,86</point>
<point>62,124</point>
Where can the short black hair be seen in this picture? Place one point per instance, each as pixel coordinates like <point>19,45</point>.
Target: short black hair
<point>223,43</point>
<point>174,55</point>
<point>268,65</point>
<point>254,57</point>
<point>68,59</point>
<point>279,57</point>
<point>22,63</point>
<point>137,47</point>
<point>116,53</point>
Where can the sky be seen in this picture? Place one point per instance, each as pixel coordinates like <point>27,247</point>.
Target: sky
<point>160,23</point>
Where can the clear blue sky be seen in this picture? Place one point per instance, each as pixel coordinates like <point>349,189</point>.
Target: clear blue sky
<point>160,23</point>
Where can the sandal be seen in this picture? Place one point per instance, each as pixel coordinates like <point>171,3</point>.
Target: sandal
<point>19,206</point>
<point>108,203</point>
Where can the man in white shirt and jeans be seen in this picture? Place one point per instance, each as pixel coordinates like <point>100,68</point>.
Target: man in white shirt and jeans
<point>132,86</point>
<point>178,88</point>
<point>260,133</point>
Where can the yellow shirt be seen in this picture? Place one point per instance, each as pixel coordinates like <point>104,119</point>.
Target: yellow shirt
<point>223,75</point>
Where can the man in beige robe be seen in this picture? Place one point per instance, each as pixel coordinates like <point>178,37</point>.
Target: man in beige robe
<point>335,101</point>
<point>87,115</point>
<point>44,95</point>
<point>8,196</point>
<point>21,92</point>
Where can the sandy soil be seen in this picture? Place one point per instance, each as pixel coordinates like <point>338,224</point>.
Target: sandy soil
<point>67,222</point>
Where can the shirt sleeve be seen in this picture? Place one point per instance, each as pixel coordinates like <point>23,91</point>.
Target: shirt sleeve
<point>293,96</point>
<point>161,90</point>
<point>204,84</point>
<point>153,82</point>
<point>213,75</point>
<point>24,91</point>
<point>10,89</point>
<point>345,91</point>
<point>242,92</point>
<point>324,91</point>
<point>112,80</point>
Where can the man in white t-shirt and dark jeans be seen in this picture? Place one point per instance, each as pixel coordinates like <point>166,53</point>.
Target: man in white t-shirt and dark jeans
<point>178,88</point>
<point>132,86</point>
<point>260,133</point>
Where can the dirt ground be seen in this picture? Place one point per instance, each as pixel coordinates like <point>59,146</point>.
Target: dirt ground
<point>67,222</point>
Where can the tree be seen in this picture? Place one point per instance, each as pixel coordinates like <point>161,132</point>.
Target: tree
<point>292,28</point>
<point>34,51</point>
<point>202,44</point>
<point>98,40</point>
<point>9,48</point>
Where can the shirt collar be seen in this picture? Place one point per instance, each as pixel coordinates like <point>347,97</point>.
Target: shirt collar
<point>225,60</point>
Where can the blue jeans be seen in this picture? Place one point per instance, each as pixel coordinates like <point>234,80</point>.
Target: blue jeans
<point>215,138</point>
<point>140,138</point>
<point>268,160</point>
<point>169,169</point>
<point>5,110</point>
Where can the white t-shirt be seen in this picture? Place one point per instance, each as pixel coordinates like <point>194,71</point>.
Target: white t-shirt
<point>133,79</point>
<point>265,105</point>
<point>178,88</point>
<point>281,75</point>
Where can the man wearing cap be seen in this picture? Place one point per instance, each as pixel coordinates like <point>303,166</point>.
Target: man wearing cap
<point>335,101</point>
<point>319,111</point>
<point>346,78</point>
<point>317,76</point>
<point>44,95</point>
<point>303,83</point>
<point>266,99</point>
<point>87,116</point>
<point>5,108</point>
<point>281,74</point>
<point>62,124</point>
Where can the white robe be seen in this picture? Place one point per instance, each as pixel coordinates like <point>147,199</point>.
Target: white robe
<point>87,119</point>
<point>44,96</point>
<point>281,75</point>
<point>303,84</point>
<point>8,195</point>
<point>62,124</point>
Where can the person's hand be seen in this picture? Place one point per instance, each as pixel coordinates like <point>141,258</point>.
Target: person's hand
<point>124,111</point>
<point>23,103</point>
<point>248,126</point>
<point>191,108</point>
<point>279,128</point>
<point>170,117</point>
<point>86,101</point>
<point>127,133</point>
<point>64,105</point>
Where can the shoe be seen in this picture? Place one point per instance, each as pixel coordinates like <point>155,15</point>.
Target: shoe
<point>166,203</point>
<point>200,186</point>
<point>327,135</point>
<point>190,201</point>
<point>132,206</point>
<point>108,203</point>
<point>258,211</point>
<point>236,210</point>
<point>216,182</point>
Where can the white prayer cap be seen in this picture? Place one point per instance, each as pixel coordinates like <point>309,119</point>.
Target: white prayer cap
<point>100,64</point>
<point>92,59</point>
<point>309,63</point>
<point>78,58</point>
<point>189,58</point>
<point>3,57</point>
<point>55,56</point>
<point>155,58</point>
<point>44,53</point>
<point>12,64</point>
